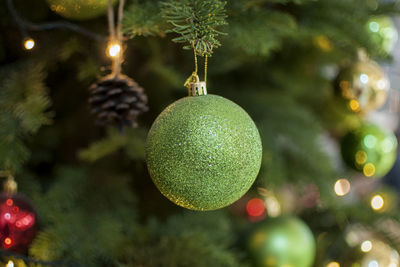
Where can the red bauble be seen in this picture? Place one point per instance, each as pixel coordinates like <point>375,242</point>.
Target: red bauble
<point>17,222</point>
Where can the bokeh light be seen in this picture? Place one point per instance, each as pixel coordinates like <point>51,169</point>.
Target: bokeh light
<point>377,202</point>
<point>364,78</point>
<point>354,105</point>
<point>113,49</point>
<point>361,157</point>
<point>369,169</point>
<point>342,187</point>
<point>366,246</point>
<point>29,44</point>
<point>333,264</point>
<point>370,141</point>
<point>8,241</point>
<point>10,263</point>
<point>255,207</point>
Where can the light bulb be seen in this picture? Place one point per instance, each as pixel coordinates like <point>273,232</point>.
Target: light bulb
<point>10,263</point>
<point>113,49</point>
<point>29,44</point>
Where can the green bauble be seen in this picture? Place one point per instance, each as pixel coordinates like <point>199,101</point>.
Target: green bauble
<point>282,241</point>
<point>79,9</point>
<point>369,150</point>
<point>382,32</point>
<point>203,152</point>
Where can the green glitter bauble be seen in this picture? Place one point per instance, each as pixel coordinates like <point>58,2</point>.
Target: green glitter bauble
<point>203,152</point>
<point>79,9</point>
<point>369,150</point>
<point>382,32</point>
<point>282,241</point>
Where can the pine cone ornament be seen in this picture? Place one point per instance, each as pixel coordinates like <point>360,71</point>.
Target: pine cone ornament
<point>117,100</point>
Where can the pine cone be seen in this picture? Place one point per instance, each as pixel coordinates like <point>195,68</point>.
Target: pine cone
<point>117,101</point>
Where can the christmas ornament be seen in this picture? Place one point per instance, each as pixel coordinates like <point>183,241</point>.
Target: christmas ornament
<point>370,150</point>
<point>203,151</point>
<point>17,219</point>
<point>79,9</point>
<point>364,85</point>
<point>382,32</point>
<point>117,100</point>
<point>282,241</point>
<point>17,222</point>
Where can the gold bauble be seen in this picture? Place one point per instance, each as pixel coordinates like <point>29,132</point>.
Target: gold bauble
<point>365,85</point>
<point>79,9</point>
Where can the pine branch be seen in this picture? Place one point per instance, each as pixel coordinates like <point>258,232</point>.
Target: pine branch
<point>196,23</point>
<point>99,149</point>
<point>258,32</point>
<point>143,19</point>
<point>24,104</point>
<point>85,217</point>
<point>204,237</point>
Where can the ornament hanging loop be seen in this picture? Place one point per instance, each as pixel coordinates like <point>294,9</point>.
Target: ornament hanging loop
<point>193,83</point>
<point>10,185</point>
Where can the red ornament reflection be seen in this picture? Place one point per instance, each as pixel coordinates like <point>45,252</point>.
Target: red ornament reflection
<point>17,222</point>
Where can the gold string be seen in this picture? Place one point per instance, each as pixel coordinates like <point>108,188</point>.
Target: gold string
<point>194,77</point>
<point>195,62</point>
<point>110,16</point>
<point>205,68</point>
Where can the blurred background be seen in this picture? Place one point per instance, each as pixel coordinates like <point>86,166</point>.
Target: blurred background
<point>320,78</point>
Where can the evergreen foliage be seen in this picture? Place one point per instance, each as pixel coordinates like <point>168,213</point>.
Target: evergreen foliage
<point>95,201</point>
<point>196,23</point>
<point>24,104</point>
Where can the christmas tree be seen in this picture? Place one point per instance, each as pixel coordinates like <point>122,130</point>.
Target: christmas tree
<point>283,154</point>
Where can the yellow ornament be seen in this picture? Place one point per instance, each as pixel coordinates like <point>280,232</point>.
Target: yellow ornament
<point>79,9</point>
<point>365,85</point>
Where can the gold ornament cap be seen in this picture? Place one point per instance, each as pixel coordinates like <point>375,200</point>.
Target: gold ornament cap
<point>10,186</point>
<point>198,88</point>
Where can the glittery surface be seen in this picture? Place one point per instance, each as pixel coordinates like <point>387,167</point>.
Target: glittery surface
<point>203,152</point>
<point>79,9</point>
<point>370,150</point>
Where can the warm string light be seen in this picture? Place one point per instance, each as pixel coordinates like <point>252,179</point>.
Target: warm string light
<point>342,187</point>
<point>10,263</point>
<point>113,50</point>
<point>377,202</point>
<point>29,44</point>
<point>366,246</point>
